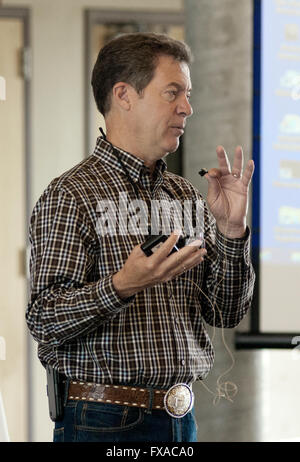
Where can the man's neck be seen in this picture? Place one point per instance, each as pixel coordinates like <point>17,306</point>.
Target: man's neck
<point>125,145</point>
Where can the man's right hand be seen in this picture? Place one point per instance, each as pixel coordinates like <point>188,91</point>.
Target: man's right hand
<point>140,272</point>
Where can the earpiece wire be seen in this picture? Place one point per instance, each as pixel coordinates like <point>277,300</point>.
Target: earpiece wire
<point>224,389</point>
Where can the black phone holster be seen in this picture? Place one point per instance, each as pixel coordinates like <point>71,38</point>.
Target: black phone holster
<point>57,390</point>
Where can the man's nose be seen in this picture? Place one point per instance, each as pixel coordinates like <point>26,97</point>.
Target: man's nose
<point>185,107</point>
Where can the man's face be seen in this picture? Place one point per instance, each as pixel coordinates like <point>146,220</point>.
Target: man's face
<point>160,113</point>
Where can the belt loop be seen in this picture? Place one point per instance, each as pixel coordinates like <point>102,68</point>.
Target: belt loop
<point>150,404</point>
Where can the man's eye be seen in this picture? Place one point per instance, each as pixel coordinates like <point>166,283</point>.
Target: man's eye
<point>172,93</point>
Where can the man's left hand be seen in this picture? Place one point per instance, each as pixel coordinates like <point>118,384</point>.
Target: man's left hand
<point>227,195</point>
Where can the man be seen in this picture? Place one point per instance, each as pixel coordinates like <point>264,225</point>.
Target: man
<point>127,329</point>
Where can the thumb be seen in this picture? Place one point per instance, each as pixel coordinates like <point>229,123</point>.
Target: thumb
<point>213,173</point>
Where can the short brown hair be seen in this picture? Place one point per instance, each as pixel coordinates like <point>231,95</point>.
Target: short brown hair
<point>132,58</point>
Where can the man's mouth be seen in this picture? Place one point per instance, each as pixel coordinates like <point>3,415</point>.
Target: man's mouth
<point>178,129</point>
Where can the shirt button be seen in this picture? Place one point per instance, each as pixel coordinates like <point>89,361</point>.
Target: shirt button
<point>183,362</point>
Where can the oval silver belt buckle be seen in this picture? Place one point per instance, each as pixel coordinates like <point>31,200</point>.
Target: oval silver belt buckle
<point>179,400</point>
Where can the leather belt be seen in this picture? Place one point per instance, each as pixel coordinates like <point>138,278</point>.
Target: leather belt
<point>177,401</point>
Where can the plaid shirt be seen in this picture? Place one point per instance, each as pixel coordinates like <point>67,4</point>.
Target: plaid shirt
<point>83,328</point>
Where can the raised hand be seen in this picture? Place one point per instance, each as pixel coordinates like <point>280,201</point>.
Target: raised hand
<point>227,195</point>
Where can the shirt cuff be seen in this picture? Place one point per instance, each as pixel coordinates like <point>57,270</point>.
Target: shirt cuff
<point>109,297</point>
<point>233,249</point>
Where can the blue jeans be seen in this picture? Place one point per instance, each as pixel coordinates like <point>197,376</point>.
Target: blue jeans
<point>87,422</point>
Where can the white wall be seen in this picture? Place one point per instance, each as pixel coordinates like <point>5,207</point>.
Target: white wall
<point>58,116</point>
<point>58,80</point>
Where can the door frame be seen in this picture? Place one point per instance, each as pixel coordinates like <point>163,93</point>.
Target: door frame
<point>94,16</point>
<point>24,15</point>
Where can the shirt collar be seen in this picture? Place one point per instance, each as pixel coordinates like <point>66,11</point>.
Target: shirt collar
<point>135,167</point>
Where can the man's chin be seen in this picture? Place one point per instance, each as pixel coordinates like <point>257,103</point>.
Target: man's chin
<point>172,147</point>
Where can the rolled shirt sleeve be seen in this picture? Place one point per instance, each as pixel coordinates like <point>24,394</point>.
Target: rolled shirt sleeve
<point>229,279</point>
<point>64,301</point>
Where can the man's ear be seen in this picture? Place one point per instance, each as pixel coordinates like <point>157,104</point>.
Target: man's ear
<point>121,95</point>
